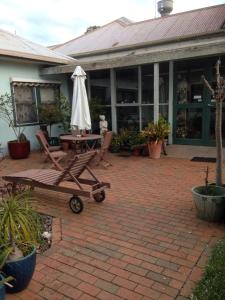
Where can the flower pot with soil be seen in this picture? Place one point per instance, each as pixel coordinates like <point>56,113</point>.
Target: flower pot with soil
<point>154,149</point>
<point>155,135</point>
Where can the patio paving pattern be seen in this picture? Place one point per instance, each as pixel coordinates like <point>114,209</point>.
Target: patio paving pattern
<point>143,242</point>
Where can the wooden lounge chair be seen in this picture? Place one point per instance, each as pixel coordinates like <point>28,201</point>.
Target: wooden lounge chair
<point>52,152</point>
<point>67,181</point>
<point>101,154</point>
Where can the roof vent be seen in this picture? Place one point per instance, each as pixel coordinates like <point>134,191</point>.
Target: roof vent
<point>165,7</point>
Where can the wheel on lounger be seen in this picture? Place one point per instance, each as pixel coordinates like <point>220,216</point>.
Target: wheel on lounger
<point>76,204</point>
<point>99,197</point>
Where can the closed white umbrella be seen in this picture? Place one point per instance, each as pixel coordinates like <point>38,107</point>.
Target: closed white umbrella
<point>80,118</point>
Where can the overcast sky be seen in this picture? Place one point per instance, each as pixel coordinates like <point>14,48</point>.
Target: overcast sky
<point>51,22</point>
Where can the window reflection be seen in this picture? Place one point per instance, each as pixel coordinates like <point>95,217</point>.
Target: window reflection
<point>147,78</point>
<point>147,115</point>
<point>212,124</point>
<point>127,86</point>
<point>189,123</point>
<point>100,102</point>
<point>128,118</point>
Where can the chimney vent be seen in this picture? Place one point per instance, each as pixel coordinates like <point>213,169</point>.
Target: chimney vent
<point>165,7</point>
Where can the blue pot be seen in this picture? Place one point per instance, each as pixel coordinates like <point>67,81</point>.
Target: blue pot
<point>22,270</point>
<point>2,289</point>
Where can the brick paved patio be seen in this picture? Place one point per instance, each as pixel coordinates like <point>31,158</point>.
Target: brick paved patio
<point>143,242</point>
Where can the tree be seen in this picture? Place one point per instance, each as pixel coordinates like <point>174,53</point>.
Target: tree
<point>219,96</point>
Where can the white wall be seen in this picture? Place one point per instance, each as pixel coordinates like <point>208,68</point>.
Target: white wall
<point>24,70</point>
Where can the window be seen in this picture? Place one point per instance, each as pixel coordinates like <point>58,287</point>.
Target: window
<point>100,102</point>
<point>28,96</point>
<point>127,86</point>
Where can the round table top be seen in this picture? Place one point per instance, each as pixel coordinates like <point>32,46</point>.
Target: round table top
<point>88,137</point>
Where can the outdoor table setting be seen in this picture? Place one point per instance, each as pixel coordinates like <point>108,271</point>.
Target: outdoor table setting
<point>82,140</point>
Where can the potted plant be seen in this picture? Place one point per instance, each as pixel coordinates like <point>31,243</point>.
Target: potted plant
<point>137,142</point>
<point>50,114</point>
<point>125,142</point>
<point>20,232</point>
<point>210,200</point>
<point>115,144</point>
<point>65,109</point>
<point>155,135</point>
<point>20,147</point>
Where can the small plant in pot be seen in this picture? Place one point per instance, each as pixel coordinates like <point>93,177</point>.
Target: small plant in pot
<point>137,142</point>
<point>50,114</point>
<point>20,233</point>
<point>210,200</point>
<point>155,135</point>
<point>20,147</point>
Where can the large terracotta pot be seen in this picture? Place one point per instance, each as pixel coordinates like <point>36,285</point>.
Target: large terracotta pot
<point>19,150</point>
<point>155,149</point>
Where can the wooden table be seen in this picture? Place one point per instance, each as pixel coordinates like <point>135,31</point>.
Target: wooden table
<point>82,140</point>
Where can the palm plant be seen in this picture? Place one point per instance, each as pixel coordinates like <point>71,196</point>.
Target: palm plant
<point>20,226</point>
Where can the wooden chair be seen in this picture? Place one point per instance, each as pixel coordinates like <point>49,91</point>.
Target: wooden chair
<point>52,152</point>
<point>101,154</point>
<point>67,181</point>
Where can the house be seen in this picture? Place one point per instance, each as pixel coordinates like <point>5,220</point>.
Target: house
<point>20,64</point>
<point>136,70</point>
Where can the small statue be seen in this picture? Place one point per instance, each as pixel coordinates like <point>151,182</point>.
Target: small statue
<point>103,125</point>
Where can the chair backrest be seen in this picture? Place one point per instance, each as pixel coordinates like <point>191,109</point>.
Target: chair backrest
<point>42,141</point>
<point>107,141</point>
<point>45,146</point>
<point>76,166</point>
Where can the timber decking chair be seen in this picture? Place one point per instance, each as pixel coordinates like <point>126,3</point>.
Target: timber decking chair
<point>67,181</point>
<point>101,154</point>
<point>52,152</point>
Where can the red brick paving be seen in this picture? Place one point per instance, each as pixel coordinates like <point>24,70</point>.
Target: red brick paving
<point>143,242</point>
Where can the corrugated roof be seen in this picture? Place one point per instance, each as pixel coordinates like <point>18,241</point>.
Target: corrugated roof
<point>15,46</point>
<point>121,34</point>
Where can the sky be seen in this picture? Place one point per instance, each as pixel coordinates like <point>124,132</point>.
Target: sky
<point>50,22</point>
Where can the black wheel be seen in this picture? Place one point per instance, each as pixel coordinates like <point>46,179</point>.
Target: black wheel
<point>99,197</point>
<point>76,204</point>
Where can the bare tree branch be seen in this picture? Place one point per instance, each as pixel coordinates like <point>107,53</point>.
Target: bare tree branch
<point>208,85</point>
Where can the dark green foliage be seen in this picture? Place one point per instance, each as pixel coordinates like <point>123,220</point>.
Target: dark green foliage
<point>212,285</point>
<point>127,139</point>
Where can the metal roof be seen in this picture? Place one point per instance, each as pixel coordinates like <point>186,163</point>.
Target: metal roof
<point>120,34</point>
<point>14,46</point>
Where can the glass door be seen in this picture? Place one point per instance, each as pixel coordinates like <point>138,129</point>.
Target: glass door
<point>190,105</point>
<point>194,107</point>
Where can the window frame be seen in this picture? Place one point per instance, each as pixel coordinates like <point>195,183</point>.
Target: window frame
<point>34,84</point>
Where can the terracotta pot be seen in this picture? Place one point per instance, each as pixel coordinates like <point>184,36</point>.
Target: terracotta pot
<point>19,150</point>
<point>136,152</point>
<point>155,149</point>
